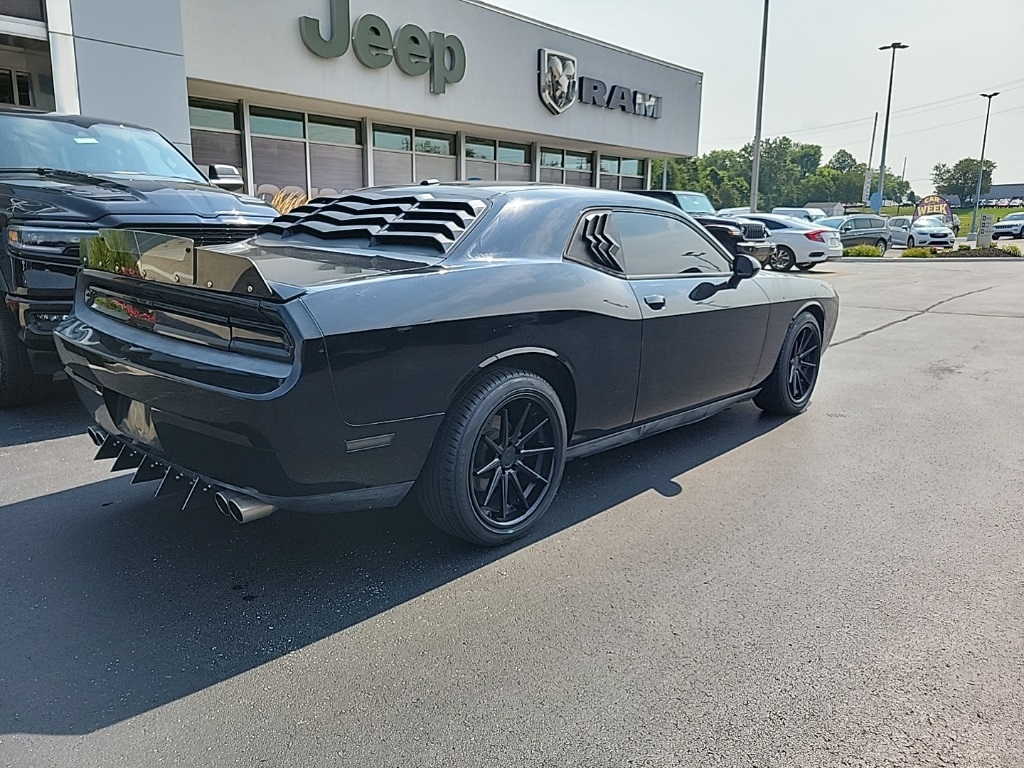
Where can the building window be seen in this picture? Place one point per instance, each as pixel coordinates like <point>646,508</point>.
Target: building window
<point>515,162</point>
<point>623,173</point>
<point>481,159</point>
<point>16,88</point>
<point>565,167</point>
<point>405,155</point>
<point>297,157</point>
<point>34,10</point>
<point>335,156</point>
<point>216,130</point>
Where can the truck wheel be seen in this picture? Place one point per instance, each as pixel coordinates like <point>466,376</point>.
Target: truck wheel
<point>16,378</point>
<point>497,461</point>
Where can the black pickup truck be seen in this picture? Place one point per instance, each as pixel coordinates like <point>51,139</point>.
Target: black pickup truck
<point>738,235</point>
<point>63,177</point>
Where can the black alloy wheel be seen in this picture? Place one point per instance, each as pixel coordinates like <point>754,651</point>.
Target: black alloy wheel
<point>498,459</point>
<point>788,389</point>
<point>513,462</point>
<point>783,259</point>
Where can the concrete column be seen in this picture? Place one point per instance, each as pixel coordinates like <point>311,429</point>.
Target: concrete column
<point>121,60</point>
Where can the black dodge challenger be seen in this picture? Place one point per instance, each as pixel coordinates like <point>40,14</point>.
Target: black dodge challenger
<point>465,339</point>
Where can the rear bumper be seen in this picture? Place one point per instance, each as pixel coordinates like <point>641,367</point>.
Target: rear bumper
<point>287,446</point>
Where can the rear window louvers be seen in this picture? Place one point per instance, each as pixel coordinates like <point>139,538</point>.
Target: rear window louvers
<point>368,220</point>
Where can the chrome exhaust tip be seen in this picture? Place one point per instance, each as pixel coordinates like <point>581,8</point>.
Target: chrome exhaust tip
<point>242,508</point>
<point>97,435</point>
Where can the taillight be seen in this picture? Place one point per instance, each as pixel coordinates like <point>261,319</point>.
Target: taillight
<point>817,235</point>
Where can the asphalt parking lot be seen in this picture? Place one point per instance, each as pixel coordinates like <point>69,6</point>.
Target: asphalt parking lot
<point>845,588</point>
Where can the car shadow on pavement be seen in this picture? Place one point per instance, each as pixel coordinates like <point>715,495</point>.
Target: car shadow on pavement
<point>115,603</point>
<point>60,414</point>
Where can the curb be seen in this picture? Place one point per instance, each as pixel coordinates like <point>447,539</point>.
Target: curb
<point>958,259</point>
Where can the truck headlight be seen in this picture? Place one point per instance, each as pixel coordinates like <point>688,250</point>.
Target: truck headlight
<point>52,242</point>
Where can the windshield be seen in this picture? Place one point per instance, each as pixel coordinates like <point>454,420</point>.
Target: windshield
<point>931,221</point>
<point>694,202</point>
<point>1013,217</point>
<point>101,148</point>
<point>833,222</point>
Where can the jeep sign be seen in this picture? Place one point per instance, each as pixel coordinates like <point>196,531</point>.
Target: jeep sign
<point>414,51</point>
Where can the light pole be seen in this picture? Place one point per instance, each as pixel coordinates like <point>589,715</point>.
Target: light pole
<point>755,166</point>
<point>973,235</point>
<point>888,108</point>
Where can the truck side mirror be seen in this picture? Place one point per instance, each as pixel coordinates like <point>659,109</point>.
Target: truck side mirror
<point>226,177</point>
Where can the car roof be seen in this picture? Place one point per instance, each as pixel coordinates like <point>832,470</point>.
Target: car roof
<point>781,218</point>
<point>83,121</point>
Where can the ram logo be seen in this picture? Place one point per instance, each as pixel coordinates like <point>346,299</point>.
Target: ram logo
<point>559,81</point>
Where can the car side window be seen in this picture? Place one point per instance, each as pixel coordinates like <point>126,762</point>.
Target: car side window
<point>661,245</point>
<point>772,224</point>
<point>862,223</point>
<point>877,223</point>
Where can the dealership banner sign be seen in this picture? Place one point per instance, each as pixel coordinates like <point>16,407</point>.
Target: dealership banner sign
<point>933,205</point>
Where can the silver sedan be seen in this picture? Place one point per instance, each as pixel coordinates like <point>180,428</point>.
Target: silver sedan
<point>924,232</point>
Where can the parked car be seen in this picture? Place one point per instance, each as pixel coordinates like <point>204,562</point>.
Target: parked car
<point>738,235</point>
<point>63,177</point>
<point>807,214</point>
<point>467,339</point>
<point>859,229</point>
<point>925,232</point>
<point>1003,202</point>
<point>734,211</point>
<point>1011,225</point>
<point>799,243</point>
<point>1017,202</point>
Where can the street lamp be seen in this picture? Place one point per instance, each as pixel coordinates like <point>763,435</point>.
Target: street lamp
<point>888,108</point>
<point>755,166</point>
<point>981,167</point>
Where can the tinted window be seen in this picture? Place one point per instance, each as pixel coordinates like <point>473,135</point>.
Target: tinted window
<point>772,224</point>
<point>660,245</point>
<point>694,202</point>
<point>877,223</point>
<point>862,223</point>
<point>330,130</point>
<point>480,149</point>
<point>831,222</point>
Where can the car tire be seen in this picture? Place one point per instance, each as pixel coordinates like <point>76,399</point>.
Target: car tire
<point>497,460</point>
<point>805,267</point>
<point>910,242</point>
<point>787,391</point>
<point>17,382</point>
<point>784,259</point>
<point>882,245</point>
<point>1020,235</point>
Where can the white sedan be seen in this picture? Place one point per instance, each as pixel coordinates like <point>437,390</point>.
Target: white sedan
<point>799,243</point>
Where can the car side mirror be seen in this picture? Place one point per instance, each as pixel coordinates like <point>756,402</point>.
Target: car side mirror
<point>845,227</point>
<point>226,177</point>
<point>745,267</point>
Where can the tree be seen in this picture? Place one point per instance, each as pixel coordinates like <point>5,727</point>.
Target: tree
<point>843,162</point>
<point>962,178</point>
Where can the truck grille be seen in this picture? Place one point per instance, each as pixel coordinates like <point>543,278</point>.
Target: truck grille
<point>754,231</point>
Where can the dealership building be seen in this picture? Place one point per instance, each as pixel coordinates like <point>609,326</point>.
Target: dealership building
<point>311,97</point>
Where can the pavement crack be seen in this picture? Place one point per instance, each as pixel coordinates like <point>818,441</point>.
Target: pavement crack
<point>912,316</point>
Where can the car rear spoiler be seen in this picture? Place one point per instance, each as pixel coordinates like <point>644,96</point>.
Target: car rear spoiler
<point>177,261</point>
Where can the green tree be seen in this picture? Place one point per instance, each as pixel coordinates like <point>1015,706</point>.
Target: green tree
<point>962,178</point>
<point>843,162</point>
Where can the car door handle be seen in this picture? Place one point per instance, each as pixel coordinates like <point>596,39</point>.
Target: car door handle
<point>655,302</point>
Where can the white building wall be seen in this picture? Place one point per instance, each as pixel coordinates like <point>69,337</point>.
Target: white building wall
<point>122,60</point>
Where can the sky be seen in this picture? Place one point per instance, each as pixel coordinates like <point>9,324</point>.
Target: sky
<point>825,77</point>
